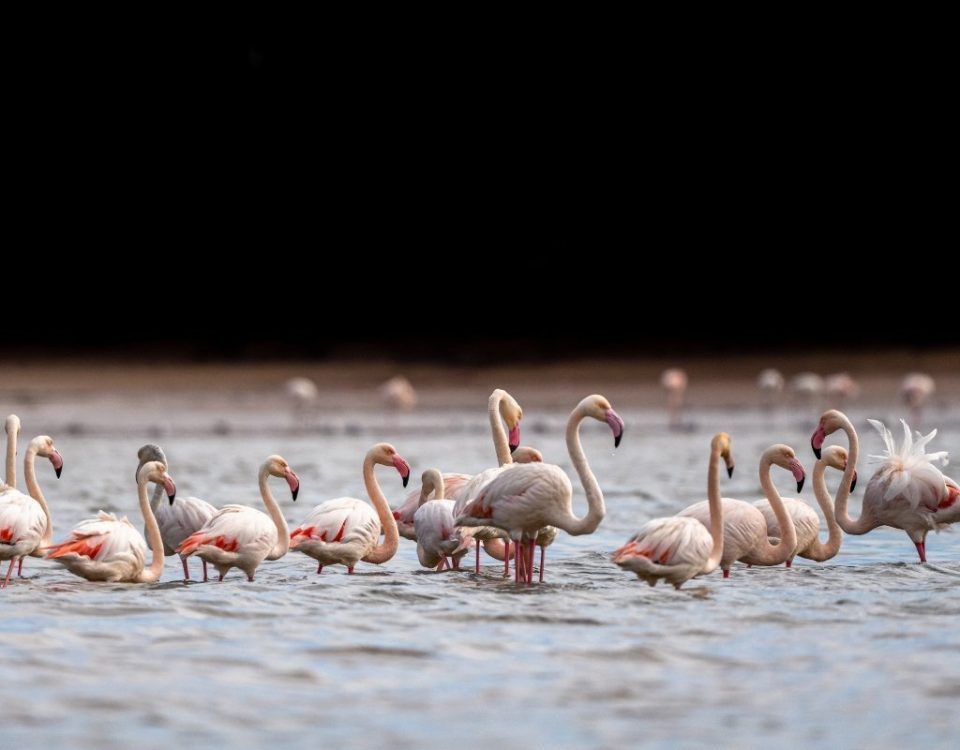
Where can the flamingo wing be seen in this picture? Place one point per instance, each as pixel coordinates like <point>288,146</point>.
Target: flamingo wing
<point>22,520</point>
<point>178,521</point>
<point>105,539</point>
<point>232,528</point>
<point>522,497</point>
<point>344,519</point>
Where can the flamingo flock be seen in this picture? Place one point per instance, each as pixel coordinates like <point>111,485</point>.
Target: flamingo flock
<point>509,509</point>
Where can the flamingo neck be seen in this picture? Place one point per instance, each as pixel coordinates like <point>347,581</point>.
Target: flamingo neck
<point>11,479</point>
<point>596,510</point>
<point>818,550</point>
<point>33,489</point>
<point>774,554</point>
<point>273,510</point>
<point>158,493</point>
<point>388,524</point>
<point>716,511</point>
<point>151,574</point>
<point>864,523</point>
<point>500,439</point>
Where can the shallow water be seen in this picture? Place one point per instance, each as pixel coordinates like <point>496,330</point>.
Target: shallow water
<point>860,651</point>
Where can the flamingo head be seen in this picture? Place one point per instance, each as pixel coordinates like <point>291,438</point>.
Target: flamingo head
<point>156,471</point>
<point>431,481</point>
<point>150,452</point>
<point>835,456</point>
<point>512,414</point>
<point>597,407</point>
<point>386,455</point>
<point>42,445</point>
<point>277,466</point>
<point>12,425</point>
<point>831,421</point>
<point>527,455</point>
<point>721,444</point>
<point>784,456</point>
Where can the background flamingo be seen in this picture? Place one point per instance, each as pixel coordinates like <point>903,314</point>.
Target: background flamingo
<point>345,530</point>
<point>674,381</point>
<point>915,391</point>
<point>770,384</point>
<point>744,530</point>
<point>238,536</point>
<point>108,548</point>
<point>12,427</point>
<point>678,548</point>
<point>25,524</point>
<point>807,388</point>
<point>528,497</point>
<point>840,388</point>
<point>398,393</point>
<point>176,520</point>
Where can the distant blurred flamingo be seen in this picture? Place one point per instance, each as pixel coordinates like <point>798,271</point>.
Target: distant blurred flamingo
<point>674,381</point>
<point>303,395</point>
<point>841,388</point>
<point>398,393</point>
<point>12,426</point>
<point>770,383</point>
<point>807,388</point>
<point>915,391</point>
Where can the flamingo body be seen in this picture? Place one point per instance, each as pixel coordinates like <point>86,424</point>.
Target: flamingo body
<point>105,548</point>
<point>674,549</point>
<point>338,532</point>
<point>22,524</point>
<point>437,536</point>
<point>236,536</point>
<point>405,513</point>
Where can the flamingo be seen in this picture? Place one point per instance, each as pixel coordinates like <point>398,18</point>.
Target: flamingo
<point>108,548</point>
<point>744,530</point>
<point>527,497</point>
<point>12,426</point>
<point>398,393</point>
<point>179,520</point>
<point>674,380</point>
<point>25,524</point>
<point>770,383</point>
<point>915,390</point>
<point>841,388</point>
<point>678,548</point>
<point>807,387</point>
<point>907,492</point>
<point>805,519</point>
<point>303,394</point>
<point>437,537</point>
<point>344,531</point>
<point>238,536</point>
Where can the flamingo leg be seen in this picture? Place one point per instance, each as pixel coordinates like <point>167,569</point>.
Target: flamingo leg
<point>456,563</point>
<point>477,566</point>
<point>250,577</point>
<point>319,568</point>
<point>9,571</point>
<point>205,579</point>
<point>516,562</point>
<point>543,554</point>
<point>921,550</point>
<point>443,561</point>
<point>350,570</point>
<point>531,544</point>
<point>726,572</point>
<point>186,570</point>
<point>789,563</point>
<point>506,558</point>
<point>20,568</point>
<point>221,576</point>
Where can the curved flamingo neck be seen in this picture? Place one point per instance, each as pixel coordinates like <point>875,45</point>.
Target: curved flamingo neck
<point>818,550</point>
<point>157,496</point>
<point>388,524</point>
<point>11,478</point>
<point>33,489</point>
<point>864,523</point>
<point>273,510</point>
<point>596,510</point>
<point>436,487</point>
<point>774,554</point>
<point>716,510</point>
<point>501,442</point>
<point>151,574</point>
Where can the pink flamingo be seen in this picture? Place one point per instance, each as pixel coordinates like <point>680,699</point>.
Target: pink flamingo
<point>678,548</point>
<point>344,531</point>
<point>907,492</point>
<point>915,391</point>
<point>527,497</point>
<point>770,383</point>
<point>744,530</point>
<point>840,388</point>
<point>108,548</point>
<point>25,524</point>
<point>178,520</point>
<point>805,519</point>
<point>437,537</point>
<point>238,536</point>
<point>674,381</point>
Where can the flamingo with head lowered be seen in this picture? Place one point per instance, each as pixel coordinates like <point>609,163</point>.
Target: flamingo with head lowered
<point>238,536</point>
<point>678,548</point>
<point>437,537</point>
<point>345,530</point>
<point>528,497</point>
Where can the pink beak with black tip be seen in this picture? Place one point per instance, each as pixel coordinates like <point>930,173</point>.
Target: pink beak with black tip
<point>798,473</point>
<point>617,425</point>
<point>816,441</point>
<point>294,481</point>
<point>169,487</point>
<point>513,440</point>
<point>403,467</point>
<point>57,460</point>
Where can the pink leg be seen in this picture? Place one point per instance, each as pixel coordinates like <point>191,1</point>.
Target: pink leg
<point>440,565</point>
<point>726,572</point>
<point>532,543</point>
<point>789,563</point>
<point>319,568</point>
<point>456,563</point>
<point>9,571</point>
<point>543,554</point>
<point>506,558</point>
<point>205,578</point>
<point>186,570</point>
<point>250,577</point>
<point>221,576</point>
<point>921,550</point>
<point>476,568</point>
<point>20,568</point>
<point>350,570</point>
<point>516,562</point>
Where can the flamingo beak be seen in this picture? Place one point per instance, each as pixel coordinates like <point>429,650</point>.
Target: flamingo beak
<point>730,471</point>
<point>816,441</point>
<point>514,438</point>
<point>403,467</point>
<point>798,473</point>
<point>57,460</point>
<point>617,425</point>
<point>853,483</point>
<point>294,481</point>
<point>170,487</point>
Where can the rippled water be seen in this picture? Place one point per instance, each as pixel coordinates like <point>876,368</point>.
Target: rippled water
<point>861,651</point>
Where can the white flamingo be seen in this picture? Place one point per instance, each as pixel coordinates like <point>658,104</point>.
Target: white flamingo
<point>437,537</point>
<point>108,548</point>
<point>238,536</point>
<point>770,383</point>
<point>528,497</point>
<point>678,548</point>
<point>915,390</point>
<point>12,426</point>
<point>840,388</point>
<point>744,530</point>
<point>674,381</point>
<point>25,525</point>
<point>345,530</point>
<point>907,492</point>
<point>398,393</point>
<point>805,519</point>
<point>176,520</point>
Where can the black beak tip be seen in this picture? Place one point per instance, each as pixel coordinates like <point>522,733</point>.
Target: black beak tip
<point>617,439</point>
<point>816,450</point>
<point>513,446</point>
<point>59,472</point>
<point>406,479</point>
<point>172,497</point>
<point>800,486</point>
<point>729,471</point>
<point>295,493</point>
